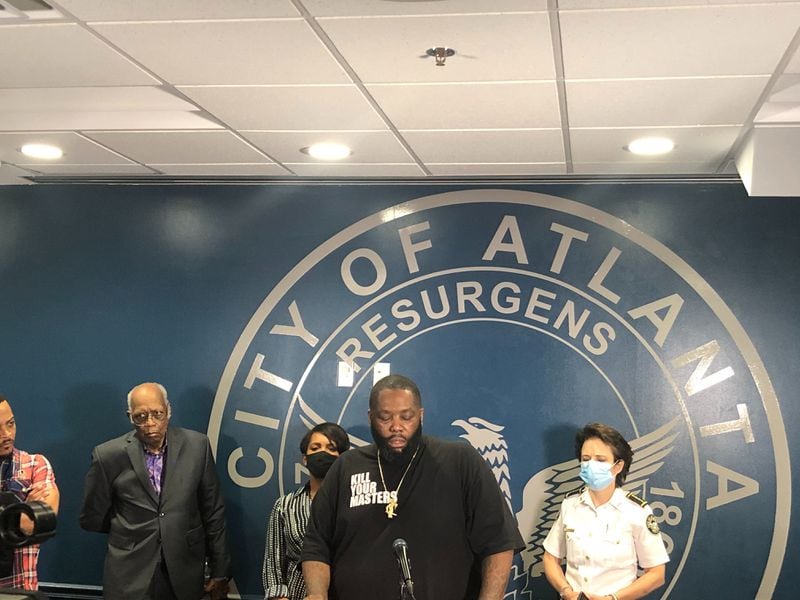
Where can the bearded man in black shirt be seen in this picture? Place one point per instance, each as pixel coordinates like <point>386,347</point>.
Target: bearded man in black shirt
<point>438,495</point>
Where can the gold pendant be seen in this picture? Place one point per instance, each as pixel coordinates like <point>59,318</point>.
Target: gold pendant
<point>391,508</point>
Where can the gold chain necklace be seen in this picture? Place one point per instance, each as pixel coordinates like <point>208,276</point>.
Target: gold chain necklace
<point>391,506</point>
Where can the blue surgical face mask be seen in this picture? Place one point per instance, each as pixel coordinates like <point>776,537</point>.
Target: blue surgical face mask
<point>597,475</point>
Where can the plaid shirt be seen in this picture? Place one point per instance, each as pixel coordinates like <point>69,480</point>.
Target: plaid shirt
<point>27,469</point>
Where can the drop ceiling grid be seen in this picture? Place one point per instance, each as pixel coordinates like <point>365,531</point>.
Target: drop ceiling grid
<point>687,68</point>
<point>141,10</point>
<point>360,8</point>
<point>503,89</point>
<point>488,47</point>
<point>663,67</point>
<point>368,146</point>
<point>77,148</point>
<point>246,52</point>
<point>45,55</point>
<point>180,147</point>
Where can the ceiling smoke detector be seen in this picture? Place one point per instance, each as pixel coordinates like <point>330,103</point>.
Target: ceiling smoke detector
<point>440,53</point>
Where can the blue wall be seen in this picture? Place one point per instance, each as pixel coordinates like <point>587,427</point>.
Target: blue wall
<point>107,286</point>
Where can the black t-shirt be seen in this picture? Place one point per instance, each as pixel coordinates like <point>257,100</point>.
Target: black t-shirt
<point>450,511</point>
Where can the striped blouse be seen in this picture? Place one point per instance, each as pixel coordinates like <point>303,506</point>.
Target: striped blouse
<point>282,575</point>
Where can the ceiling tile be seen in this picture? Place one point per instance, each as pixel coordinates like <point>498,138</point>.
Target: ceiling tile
<point>489,47</point>
<point>62,55</point>
<point>292,107</point>
<point>355,170</point>
<point>91,98</point>
<point>500,169</point>
<point>86,121</point>
<point>486,146</point>
<point>173,147</point>
<point>786,89</point>
<point>221,170</point>
<point>660,102</point>
<point>611,4</point>
<point>778,112</point>
<point>469,105</point>
<point>77,149</point>
<point>699,41</point>
<point>56,169</point>
<point>692,144</point>
<point>81,108</point>
<point>326,8</point>
<point>228,52</point>
<point>645,168</point>
<point>153,10</point>
<point>794,62</point>
<point>367,146</point>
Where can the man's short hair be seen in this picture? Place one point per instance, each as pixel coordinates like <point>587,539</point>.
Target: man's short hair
<point>160,387</point>
<point>3,398</point>
<point>332,431</point>
<point>608,435</point>
<point>393,382</point>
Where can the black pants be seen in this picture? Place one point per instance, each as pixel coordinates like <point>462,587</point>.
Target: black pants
<point>160,586</point>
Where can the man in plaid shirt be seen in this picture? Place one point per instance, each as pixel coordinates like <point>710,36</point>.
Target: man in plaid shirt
<point>30,477</point>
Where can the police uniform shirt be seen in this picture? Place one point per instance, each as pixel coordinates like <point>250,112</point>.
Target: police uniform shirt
<point>603,544</point>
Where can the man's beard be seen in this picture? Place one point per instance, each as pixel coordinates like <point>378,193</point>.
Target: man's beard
<point>393,456</point>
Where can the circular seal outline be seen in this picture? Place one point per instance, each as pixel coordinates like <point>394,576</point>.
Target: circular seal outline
<point>637,336</point>
<point>758,372</point>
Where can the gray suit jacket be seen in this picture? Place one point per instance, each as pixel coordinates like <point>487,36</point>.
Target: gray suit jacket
<point>186,523</point>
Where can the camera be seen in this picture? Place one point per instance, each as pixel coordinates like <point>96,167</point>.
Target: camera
<point>40,514</point>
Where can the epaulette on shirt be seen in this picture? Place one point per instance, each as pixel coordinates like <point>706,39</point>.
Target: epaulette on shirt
<point>634,498</point>
<point>574,492</point>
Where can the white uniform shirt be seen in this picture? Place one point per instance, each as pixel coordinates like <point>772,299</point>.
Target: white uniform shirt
<point>603,545</point>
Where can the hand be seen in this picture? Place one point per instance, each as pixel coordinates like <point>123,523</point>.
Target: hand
<point>217,589</point>
<point>38,492</point>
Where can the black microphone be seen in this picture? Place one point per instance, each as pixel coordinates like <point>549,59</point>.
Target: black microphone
<point>400,548</point>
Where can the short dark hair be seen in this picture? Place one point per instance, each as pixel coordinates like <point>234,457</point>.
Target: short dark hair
<point>332,431</point>
<point>608,435</point>
<point>393,382</point>
<point>3,398</point>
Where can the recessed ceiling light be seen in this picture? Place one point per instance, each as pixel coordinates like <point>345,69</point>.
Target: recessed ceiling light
<point>43,151</point>
<point>651,146</point>
<point>327,151</point>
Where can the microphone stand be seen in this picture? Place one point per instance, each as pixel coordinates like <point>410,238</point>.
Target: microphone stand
<point>400,548</point>
<point>406,589</point>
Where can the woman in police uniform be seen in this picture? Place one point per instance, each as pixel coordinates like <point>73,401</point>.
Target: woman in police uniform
<point>603,531</point>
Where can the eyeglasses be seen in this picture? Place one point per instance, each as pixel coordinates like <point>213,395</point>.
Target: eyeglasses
<point>142,418</point>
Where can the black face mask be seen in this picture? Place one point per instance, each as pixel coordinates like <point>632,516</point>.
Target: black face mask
<point>319,464</point>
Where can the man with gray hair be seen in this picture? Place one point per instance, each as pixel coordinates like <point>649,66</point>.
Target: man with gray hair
<point>155,492</point>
